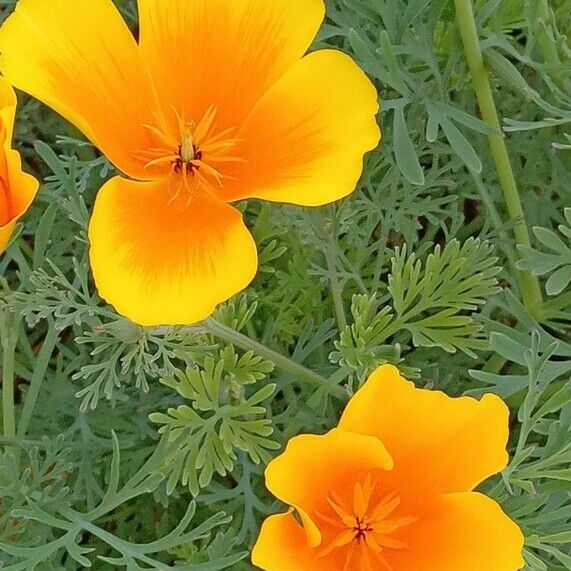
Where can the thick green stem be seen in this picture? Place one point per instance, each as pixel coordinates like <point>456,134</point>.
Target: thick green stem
<point>531,291</point>
<point>37,378</point>
<point>285,363</point>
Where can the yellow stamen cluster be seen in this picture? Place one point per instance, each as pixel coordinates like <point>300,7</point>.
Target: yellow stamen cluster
<point>365,527</point>
<point>196,151</point>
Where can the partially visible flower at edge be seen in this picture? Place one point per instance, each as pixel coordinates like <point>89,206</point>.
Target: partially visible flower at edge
<point>391,488</point>
<point>17,188</point>
<point>216,103</point>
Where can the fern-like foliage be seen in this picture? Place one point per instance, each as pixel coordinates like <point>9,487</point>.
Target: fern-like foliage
<point>431,304</point>
<point>50,515</point>
<point>221,420</point>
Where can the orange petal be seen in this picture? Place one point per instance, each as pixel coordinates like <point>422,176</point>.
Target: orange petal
<point>461,532</point>
<point>313,466</point>
<point>304,141</point>
<point>439,443</point>
<point>81,59</point>
<point>19,192</point>
<point>17,189</point>
<point>223,53</point>
<point>7,113</point>
<point>282,546</point>
<point>162,259</point>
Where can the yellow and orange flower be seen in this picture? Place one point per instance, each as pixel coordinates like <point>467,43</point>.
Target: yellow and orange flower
<point>391,489</point>
<point>215,103</point>
<point>17,188</point>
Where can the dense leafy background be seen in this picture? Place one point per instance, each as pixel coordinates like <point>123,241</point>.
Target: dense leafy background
<point>145,448</point>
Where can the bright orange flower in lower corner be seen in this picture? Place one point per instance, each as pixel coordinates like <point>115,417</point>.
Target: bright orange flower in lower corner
<point>391,489</point>
<point>17,189</point>
<point>216,103</point>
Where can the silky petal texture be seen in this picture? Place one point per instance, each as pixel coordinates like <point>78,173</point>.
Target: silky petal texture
<point>282,546</point>
<point>224,53</point>
<point>461,532</point>
<point>81,59</point>
<point>22,189</point>
<point>161,260</point>
<point>7,114</point>
<point>311,466</point>
<point>439,443</point>
<point>305,140</point>
<point>17,189</point>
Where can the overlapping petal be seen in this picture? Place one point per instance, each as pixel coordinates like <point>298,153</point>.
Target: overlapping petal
<point>223,53</point>
<point>282,546</point>
<point>81,59</point>
<point>461,532</point>
<point>216,90</point>
<point>17,189</point>
<point>163,258</point>
<point>439,443</point>
<point>312,465</point>
<point>305,140</point>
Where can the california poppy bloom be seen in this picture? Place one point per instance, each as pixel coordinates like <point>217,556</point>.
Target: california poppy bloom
<point>392,487</point>
<point>17,189</point>
<point>216,103</point>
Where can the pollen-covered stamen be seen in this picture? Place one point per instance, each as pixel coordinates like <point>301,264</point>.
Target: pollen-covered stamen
<point>197,150</point>
<point>364,524</point>
<point>188,155</point>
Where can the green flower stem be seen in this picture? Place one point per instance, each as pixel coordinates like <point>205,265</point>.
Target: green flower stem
<point>42,363</point>
<point>285,363</point>
<point>531,291</point>
<point>9,339</point>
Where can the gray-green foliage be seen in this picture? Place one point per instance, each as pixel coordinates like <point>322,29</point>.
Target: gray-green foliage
<point>556,261</point>
<point>145,448</point>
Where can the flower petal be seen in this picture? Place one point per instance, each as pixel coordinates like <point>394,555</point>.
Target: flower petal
<point>162,259</point>
<point>224,53</point>
<point>461,532</point>
<point>7,114</point>
<point>439,443</point>
<point>17,189</point>
<point>311,466</point>
<point>19,193</point>
<point>304,141</point>
<point>282,546</point>
<point>81,59</point>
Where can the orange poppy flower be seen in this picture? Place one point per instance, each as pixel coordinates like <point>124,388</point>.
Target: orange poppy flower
<point>392,488</point>
<point>216,103</point>
<point>17,189</point>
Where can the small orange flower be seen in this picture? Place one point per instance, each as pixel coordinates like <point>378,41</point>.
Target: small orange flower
<point>216,103</point>
<point>17,189</point>
<point>391,489</point>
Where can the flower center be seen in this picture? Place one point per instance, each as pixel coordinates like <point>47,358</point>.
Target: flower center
<point>189,155</point>
<point>364,526</point>
<point>194,153</point>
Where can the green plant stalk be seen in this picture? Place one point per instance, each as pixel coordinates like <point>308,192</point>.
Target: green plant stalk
<point>285,363</point>
<point>531,291</point>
